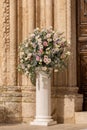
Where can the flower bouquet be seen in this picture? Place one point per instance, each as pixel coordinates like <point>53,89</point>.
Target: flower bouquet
<point>44,49</point>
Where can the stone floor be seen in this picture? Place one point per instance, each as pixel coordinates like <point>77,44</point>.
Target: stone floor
<point>55,127</point>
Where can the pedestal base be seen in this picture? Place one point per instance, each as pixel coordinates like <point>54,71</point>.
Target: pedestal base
<point>42,122</point>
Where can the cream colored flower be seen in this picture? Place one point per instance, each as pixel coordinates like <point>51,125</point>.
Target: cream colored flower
<point>68,53</point>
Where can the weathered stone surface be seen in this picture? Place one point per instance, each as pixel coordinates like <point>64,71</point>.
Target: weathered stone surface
<point>11,88</point>
<point>12,112</point>
<point>78,102</point>
<point>1,112</point>
<point>63,90</point>
<point>64,107</point>
<point>28,111</point>
<point>81,117</point>
<point>28,18</point>
<point>28,96</point>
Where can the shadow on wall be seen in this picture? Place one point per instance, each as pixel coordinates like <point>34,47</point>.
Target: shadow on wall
<point>9,115</point>
<point>58,110</point>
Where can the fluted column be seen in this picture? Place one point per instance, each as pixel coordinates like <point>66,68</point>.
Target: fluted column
<point>60,15</point>
<point>0,40</point>
<point>4,38</point>
<point>13,37</point>
<point>71,37</point>
<point>31,15</point>
<point>42,14</point>
<point>3,35</point>
<point>46,13</point>
<point>49,13</point>
<point>31,22</point>
<point>56,14</point>
<point>28,26</point>
<point>37,13</point>
<point>24,30</point>
<point>24,19</point>
<point>60,79</point>
<point>19,36</point>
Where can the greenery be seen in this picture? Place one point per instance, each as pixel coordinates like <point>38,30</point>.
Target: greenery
<point>43,49</point>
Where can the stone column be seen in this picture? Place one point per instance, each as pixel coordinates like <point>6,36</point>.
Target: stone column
<point>19,36</point>
<point>71,38</point>
<point>13,42</point>
<point>28,91</point>
<point>4,31</point>
<point>28,26</point>
<point>37,14</point>
<point>42,14</point>
<point>46,13</point>
<point>60,23</point>
<point>24,31</point>
<point>49,16</point>
<point>4,38</point>
<point>69,92</point>
<point>31,24</point>
<point>31,15</point>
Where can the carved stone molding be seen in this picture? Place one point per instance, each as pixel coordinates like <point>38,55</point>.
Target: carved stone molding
<point>6,39</point>
<point>13,42</point>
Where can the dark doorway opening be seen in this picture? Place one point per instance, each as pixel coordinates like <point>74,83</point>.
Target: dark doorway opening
<point>82,49</point>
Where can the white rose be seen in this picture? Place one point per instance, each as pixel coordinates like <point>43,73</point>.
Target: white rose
<point>39,40</point>
<point>28,66</point>
<point>29,55</point>
<point>68,53</point>
<point>55,70</point>
<point>26,45</point>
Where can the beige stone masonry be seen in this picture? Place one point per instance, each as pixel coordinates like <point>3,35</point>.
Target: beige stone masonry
<point>64,107</point>
<point>13,42</point>
<point>18,18</point>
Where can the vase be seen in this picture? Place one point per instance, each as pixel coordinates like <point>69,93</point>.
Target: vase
<point>43,99</point>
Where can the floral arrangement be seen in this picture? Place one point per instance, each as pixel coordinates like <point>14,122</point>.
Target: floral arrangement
<point>43,49</point>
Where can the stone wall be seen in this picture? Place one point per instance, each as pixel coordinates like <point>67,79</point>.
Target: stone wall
<point>17,19</point>
<point>17,104</point>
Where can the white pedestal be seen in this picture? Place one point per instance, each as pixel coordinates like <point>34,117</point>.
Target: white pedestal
<point>43,100</point>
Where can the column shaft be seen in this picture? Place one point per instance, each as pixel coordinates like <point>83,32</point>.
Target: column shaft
<point>24,30</point>
<point>60,78</point>
<point>13,40</point>
<point>31,22</point>
<point>42,14</point>
<point>71,37</point>
<point>49,19</point>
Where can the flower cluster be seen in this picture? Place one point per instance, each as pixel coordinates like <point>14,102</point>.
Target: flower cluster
<point>45,49</point>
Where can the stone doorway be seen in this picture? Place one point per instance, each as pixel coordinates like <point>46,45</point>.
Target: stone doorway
<point>82,49</point>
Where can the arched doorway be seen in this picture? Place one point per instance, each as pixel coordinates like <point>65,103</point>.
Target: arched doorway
<point>82,49</point>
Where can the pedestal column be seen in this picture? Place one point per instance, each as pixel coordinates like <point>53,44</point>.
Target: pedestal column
<point>43,100</point>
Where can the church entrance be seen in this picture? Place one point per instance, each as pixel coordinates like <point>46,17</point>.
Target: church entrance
<point>82,49</point>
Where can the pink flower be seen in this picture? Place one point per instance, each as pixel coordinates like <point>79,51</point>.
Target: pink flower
<point>45,56</point>
<point>40,51</point>
<point>37,58</point>
<point>45,59</point>
<point>45,43</point>
<point>48,35</point>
